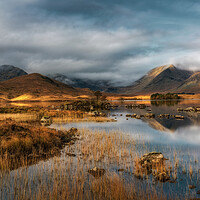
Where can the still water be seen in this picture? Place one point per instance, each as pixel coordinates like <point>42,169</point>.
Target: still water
<point>172,137</point>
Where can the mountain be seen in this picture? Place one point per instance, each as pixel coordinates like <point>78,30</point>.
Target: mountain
<point>82,83</point>
<point>161,79</point>
<point>192,84</point>
<point>8,72</point>
<point>34,86</point>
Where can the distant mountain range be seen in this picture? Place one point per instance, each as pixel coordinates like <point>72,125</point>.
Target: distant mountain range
<point>8,72</point>
<point>167,78</point>
<point>15,82</point>
<point>94,85</point>
<point>164,79</point>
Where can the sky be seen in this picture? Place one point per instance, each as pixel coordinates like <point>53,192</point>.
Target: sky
<point>116,40</point>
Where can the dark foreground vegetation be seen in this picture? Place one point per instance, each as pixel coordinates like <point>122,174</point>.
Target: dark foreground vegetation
<point>168,96</point>
<point>21,142</point>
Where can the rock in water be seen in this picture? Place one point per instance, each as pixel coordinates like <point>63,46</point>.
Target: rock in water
<point>192,187</point>
<point>97,172</point>
<point>151,159</point>
<point>153,163</point>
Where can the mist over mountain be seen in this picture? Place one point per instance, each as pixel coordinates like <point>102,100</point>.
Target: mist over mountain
<point>163,79</point>
<point>167,78</point>
<point>94,85</point>
<point>8,72</point>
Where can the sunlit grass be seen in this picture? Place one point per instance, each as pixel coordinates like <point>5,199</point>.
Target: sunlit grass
<point>19,116</point>
<point>67,177</point>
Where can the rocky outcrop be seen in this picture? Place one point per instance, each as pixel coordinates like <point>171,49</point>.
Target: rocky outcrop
<point>152,163</point>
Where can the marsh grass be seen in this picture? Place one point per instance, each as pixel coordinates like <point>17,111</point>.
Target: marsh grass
<point>67,177</point>
<point>22,142</point>
<point>68,119</point>
<point>19,116</point>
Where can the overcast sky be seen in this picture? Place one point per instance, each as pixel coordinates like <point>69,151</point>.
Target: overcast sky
<point>103,39</point>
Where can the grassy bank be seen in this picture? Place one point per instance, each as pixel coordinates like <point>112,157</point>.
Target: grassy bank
<point>22,142</point>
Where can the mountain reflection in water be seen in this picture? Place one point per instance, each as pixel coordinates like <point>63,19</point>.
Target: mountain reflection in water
<point>156,130</point>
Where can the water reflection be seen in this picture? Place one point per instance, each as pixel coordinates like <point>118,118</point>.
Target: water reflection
<point>168,103</point>
<point>168,108</point>
<point>157,130</point>
<point>189,134</point>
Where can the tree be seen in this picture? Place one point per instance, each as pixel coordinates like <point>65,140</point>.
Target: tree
<point>98,94</point>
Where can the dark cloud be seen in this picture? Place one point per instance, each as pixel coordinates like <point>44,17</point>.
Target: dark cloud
<point>117,40</point>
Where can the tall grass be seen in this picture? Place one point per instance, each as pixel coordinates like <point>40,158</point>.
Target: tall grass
<point>67,177</point>
<point>19,116</point>
<point>19,142</point>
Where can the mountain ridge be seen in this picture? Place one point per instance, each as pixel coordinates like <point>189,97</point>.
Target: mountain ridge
<point>9,71</point>
<point>37,85</point>
<point>163,79</point>
<point>160,79</point>
<point>94,85</point>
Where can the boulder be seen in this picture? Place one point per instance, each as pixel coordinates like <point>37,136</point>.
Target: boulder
<point>179,109</point>
<point>151,158</point>
<point>138,117</point>
<point>149,115</point>
<point>97,172</point>
<point>162,177</point>
<point>191,187</point>
<point>161,116</point>
<point>179,117</point>
<point>189,109</point>
<point>153,163</point>
<point>133,115</point>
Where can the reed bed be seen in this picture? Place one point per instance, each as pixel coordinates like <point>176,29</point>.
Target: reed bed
<point>67,119</point>
<point>19,116</point>
<point>67,176</point>
<point>20,142</point>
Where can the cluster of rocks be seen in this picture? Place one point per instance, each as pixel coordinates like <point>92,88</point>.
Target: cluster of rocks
<point>134,106</point>
<point>85,105</point>
<point>167,116</point>
<point>189,109</point>
<point>152,115</point>
<point>136,116</point>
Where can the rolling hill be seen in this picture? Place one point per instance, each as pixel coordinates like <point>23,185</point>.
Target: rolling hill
<point>35,86</point>
<point>8,72</point>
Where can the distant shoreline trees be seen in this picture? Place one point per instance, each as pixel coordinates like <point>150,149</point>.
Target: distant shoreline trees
<point>168,96</point>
